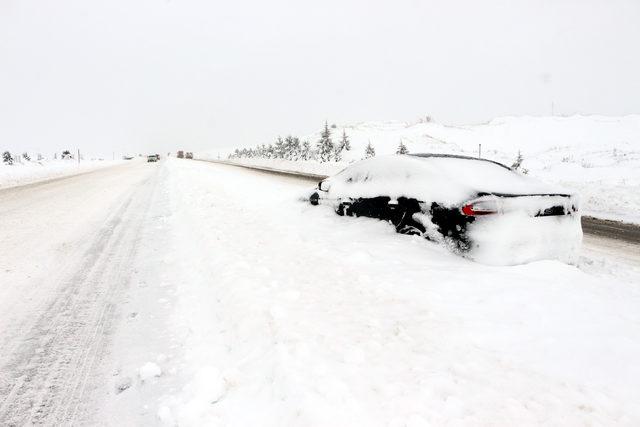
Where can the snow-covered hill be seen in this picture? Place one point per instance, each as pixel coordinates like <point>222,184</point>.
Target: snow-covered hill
<point>596,156</point>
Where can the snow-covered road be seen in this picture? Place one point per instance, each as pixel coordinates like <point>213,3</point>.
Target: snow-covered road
<point>66,250</point>
<point>192,293</point>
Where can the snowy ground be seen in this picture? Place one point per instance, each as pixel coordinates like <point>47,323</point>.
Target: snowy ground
<point>595,156</point>
<point>25,172</point>
<point>221,299</point>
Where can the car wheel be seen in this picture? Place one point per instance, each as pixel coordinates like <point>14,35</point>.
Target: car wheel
<point>402,219</point>
<point>409,230</point>
<point>343,209</point>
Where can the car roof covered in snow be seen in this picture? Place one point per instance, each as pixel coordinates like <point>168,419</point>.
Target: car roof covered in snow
<point>446,179</point>
<point>457,156</point>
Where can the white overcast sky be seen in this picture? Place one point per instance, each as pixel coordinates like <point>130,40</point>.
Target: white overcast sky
<point>155,75</point>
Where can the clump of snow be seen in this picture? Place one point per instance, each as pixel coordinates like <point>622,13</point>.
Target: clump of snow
<point>123,384</point>
<point>149,370</point>
<point>595,156</point>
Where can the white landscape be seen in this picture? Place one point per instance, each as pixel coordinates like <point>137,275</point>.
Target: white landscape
<point>354,213</point>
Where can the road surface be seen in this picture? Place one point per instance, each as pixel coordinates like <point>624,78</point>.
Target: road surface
<point>187,292</point>
<point>66,248</point>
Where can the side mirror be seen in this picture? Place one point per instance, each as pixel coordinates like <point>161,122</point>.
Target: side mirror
<point>324,186</point>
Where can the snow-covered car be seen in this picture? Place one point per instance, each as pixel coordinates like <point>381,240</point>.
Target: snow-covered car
<point>477,207</point>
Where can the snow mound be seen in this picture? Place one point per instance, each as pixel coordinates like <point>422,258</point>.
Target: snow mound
<point>149,370</point>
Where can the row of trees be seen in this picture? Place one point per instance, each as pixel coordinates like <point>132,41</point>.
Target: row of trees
<point>325,149</point>
<point>10,159</point>
<point>291,148</point>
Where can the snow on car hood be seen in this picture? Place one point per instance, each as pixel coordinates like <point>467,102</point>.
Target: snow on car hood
<point>448,180</point>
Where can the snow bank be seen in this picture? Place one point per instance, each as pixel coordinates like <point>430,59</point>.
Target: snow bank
<point>26,172</point>
<point>310,166</point>
<point>595,156</point>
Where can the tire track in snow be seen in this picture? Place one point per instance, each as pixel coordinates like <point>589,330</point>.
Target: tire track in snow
<point>46,377</point>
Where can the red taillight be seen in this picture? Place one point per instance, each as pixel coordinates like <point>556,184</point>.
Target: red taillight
<point>481,207</point>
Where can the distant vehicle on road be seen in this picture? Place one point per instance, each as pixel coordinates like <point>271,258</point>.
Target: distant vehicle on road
<point>189,155</point>
<point>180,154</point>
<point>127,158</point>
<point>152,158</point>
<point>479,208</point>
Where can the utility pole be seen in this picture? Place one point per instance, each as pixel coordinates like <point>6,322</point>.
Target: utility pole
<point>479,151</point>
<point>78,156</point>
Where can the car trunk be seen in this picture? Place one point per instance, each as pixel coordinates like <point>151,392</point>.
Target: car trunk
<point>518,228</point>
<point>535,205</point>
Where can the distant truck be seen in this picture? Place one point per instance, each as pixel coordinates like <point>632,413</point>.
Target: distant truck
<point>153,158</point>
<point>189,155</point>
<point>181,154</point>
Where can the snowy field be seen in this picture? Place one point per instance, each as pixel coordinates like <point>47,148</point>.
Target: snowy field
<point>26,172</point>
<point>221,304</point>
<point>596,156</point>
